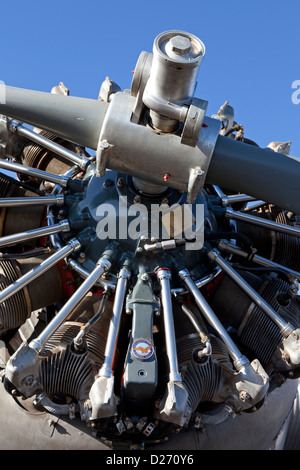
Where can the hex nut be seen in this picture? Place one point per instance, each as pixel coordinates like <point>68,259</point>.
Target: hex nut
<point>181,45</point>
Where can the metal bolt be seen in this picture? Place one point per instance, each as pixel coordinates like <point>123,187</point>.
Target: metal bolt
<point>244,396</point>
<point>286,356</point>
<point>120,182</point>
<point>139,249</point>
<point>108,183</point>
<point>137,199</point>
<point>181,45</point>
<point>145,277</point>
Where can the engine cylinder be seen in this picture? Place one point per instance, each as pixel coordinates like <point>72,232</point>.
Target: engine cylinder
<point>15,310</point>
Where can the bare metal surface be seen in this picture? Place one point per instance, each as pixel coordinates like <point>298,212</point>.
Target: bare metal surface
<point>22,430</point>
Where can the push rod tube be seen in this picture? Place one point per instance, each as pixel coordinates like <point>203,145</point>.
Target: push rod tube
<point>268,224</point>
<point>84,273</point>
<point>257,259</point>
<point>72,246</point>
<point>199,283</point>
<point>234,198</point>
<point>123,277</point>
<point>21,130</point>
<point>32,201</point>
<point>239,359</point>
<point>8,240</point>
<point>284,327</point>
<point>35,173</point>
<point>164,276</point>
<point>103,265</point>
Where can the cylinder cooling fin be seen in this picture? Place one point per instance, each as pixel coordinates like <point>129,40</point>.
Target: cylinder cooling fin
<point>149,294</point>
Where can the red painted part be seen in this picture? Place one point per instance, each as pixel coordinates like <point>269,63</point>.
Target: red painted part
<point>213,285</point>
<point>162,269</point>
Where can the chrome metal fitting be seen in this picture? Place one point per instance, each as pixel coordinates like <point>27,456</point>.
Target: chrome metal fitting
<point>163,273</point>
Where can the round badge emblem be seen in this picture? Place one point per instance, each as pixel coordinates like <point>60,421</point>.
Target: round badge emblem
<point>142,349</point>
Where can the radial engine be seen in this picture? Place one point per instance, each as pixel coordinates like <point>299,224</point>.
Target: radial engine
<point>149,262</point>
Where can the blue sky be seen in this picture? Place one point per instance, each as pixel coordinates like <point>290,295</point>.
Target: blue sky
<point>252,52</point>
